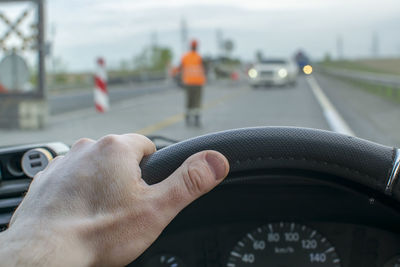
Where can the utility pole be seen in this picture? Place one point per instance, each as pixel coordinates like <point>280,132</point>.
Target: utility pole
<point>339,47</point>
<point>375,45</point>
<point>154,39</point>
<point>184,35</point>
<point>52,54</point>
<point>220,41</point>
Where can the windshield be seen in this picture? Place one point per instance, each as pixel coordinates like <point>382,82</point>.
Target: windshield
<point>179,69</point>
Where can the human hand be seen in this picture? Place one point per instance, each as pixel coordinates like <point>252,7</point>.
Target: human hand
<point>91,207</point>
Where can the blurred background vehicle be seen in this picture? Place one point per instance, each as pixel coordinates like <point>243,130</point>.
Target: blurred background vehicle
<point>303,62</point>
<point>275,72</point>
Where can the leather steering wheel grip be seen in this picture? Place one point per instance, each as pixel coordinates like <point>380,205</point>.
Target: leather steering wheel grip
<point>265,148</point>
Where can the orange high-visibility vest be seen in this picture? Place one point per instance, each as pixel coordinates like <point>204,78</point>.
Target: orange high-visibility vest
<point>192,69</point>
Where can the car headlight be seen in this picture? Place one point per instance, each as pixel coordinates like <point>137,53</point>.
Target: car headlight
<point>307,69</point>
<point>282,73</point>
<point>253,73</point>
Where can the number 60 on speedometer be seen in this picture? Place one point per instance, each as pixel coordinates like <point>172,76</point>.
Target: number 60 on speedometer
<point>283,244</point>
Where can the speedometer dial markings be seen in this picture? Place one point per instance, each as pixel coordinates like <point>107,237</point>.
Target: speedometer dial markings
<point>283,244</point>
<point>250,237</point>
<point>233,253</point>
<point>166,260</point>
<point>313,234</point>
<point>329,250</point>
<point>170,259</point>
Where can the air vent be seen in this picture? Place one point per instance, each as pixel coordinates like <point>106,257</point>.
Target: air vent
<point>11,194</point>
<point>15,178</point>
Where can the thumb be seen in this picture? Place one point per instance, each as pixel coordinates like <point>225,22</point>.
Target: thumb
<point>196,176</point>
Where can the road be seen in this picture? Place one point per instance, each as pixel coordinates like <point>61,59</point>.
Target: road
<point>317,102</point>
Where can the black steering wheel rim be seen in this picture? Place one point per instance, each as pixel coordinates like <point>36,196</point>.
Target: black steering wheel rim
<point>264,148</point>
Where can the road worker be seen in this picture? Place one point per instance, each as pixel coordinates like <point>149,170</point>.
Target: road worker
<point>193,79</point>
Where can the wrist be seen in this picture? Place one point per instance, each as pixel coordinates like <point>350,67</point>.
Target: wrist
<point>35,246</point>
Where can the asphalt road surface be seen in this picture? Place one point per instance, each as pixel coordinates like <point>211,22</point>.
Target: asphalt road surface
<point>316,101</point>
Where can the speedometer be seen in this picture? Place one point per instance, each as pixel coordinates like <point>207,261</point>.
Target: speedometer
<point>283,245</point>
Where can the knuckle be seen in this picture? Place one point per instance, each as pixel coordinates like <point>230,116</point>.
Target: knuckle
<point>137,136</point>
<point>82,142</point>
<point>194,177</point>
<point>109,140</point>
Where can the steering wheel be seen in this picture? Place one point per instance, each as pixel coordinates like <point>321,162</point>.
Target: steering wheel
<point>348,158</point>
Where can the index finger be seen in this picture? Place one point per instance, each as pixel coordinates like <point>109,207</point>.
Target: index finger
<point>142,145</point>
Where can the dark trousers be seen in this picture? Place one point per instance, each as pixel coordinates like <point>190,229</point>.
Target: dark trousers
<point>194,96</point>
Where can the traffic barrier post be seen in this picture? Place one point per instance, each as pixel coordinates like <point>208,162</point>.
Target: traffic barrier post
<point>101,99</point>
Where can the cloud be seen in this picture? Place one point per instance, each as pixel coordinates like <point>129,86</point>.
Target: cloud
<point>121,28</point>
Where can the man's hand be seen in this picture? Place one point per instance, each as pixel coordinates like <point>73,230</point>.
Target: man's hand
<point>91,207</point>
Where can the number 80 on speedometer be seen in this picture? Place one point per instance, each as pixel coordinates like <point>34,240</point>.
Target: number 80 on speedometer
<point>283,244</point>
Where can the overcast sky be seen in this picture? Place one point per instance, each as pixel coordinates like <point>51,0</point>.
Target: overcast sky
<point>119,29</point>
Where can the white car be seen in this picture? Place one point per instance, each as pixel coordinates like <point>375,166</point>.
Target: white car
<point>278,72</point>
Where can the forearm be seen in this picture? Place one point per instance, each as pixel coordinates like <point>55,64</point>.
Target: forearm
<point>41,249</point>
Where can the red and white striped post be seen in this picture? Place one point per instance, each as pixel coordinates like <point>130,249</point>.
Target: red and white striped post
<point>101,100</point>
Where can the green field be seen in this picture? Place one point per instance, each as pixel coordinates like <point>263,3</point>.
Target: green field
<point>379,65</point>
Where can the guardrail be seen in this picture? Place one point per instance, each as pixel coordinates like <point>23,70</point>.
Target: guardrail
<point>384,80</point>
<point>138,78</point>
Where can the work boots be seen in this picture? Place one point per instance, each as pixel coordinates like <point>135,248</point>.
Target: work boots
<point>192,120</point>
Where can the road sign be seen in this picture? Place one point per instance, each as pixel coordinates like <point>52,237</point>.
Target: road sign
<point>14,73</point>
<point>22,31</point>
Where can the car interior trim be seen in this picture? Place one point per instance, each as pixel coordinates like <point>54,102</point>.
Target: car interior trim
<point>394,175</point>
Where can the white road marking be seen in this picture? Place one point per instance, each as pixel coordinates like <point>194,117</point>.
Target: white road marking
<point>231,265</point>
<point>270,228</point>
<point>241,244</point>
<point>335,120</point>
<point>336,260</point>
<point>291,227</point>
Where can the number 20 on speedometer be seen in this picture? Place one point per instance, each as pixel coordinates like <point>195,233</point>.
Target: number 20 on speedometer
<point>283,245</point>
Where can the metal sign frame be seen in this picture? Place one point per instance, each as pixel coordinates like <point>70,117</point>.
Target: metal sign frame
<point>40,92</point>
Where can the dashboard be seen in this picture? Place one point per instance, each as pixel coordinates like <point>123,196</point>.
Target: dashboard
<point>271,211</point>
<point>281,221</point>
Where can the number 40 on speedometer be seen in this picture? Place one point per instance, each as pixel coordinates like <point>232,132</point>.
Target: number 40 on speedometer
<point>283,245</point>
